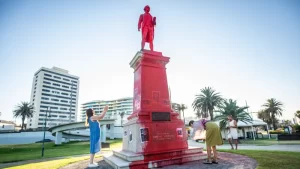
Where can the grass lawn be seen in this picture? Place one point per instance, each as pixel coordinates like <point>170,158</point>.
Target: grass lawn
<point>267,142</point>
<point>52,164</point>
<point>271,159</point>
<point>13,153</point>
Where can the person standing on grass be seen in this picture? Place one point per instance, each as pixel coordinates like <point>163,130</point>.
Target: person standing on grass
<point>95,138</point>
<point>212,137</point>
<point>232,132</point>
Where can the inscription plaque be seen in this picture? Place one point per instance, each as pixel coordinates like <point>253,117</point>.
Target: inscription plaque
<point>161,116</point>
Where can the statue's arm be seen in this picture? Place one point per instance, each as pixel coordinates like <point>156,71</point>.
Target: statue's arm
<point>154,21</point>
<point>140,21</point>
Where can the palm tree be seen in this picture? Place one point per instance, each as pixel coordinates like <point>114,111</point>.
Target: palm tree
<point>24,110</point>
<point>199,114</point>
<point>207,101</point>
<point>297,114</point>
<point>274,108</point>
<point>230,107</point>
<point>181,108</point>
<point>122,115</point>
<point>264,116</point>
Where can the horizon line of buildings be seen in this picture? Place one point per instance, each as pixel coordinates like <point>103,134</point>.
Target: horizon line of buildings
<point>56,91</point>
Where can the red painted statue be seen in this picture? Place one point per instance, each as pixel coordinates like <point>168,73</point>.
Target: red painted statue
<point>147,23</point>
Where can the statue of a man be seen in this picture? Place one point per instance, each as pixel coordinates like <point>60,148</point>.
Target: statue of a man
<point>147,23</point>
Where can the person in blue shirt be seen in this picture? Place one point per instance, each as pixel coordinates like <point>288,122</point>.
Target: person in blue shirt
<point>95,138</point>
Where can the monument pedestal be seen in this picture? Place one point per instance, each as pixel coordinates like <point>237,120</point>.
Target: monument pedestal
<point>154,135</point>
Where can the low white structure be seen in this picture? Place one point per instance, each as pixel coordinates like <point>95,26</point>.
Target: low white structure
<point>62,131</point>
<point>7,126</point>
<point>246,127</point>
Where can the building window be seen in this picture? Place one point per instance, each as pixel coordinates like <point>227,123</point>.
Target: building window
<point>57,104</point>
<point>57,81</point>
<point>56,77</point>
<point>56,84</point>
<point>59,89</point>
<point>44,98</point>
<point>55,92</point>
<point>47,75</point>
<point>65,86</point>
<point>66,79</point>
<point>45,90</point>
<point>40,123</point>
<point>73,81</point>
<point>44,94</point>
<point>66,94</point>
<point>46,82</point>
<point>55,100</point>
<point>63,108</point>
<point>64,101</point>
<point>62,116</point>
<point>54,108</point>
<point>35,84</point>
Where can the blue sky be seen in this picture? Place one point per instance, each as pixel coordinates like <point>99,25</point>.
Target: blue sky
<point>246,50</point>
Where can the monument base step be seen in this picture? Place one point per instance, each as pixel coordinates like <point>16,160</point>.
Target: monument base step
<point>129,160</point>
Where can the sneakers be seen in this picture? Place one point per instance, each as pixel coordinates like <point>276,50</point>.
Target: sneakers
<point>93,165</point>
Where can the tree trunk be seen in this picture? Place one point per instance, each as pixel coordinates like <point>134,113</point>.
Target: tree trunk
<point>23,119</point>
<point>273,122</point>
<point>211,114</point>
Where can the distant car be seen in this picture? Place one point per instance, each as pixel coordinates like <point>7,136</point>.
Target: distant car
<point>46,140</point>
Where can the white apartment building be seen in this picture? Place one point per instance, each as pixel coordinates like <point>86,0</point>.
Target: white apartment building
<point>54,91</point>
<point>115,109</point>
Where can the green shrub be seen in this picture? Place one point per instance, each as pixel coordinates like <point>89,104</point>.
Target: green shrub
<point>276,132</point>
<point>297,127</point>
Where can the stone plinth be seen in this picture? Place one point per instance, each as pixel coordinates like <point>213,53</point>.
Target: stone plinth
<point>154,134</point>
<point>128,160</point>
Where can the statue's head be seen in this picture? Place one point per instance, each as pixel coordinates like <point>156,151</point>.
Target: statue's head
<point>147,8</point>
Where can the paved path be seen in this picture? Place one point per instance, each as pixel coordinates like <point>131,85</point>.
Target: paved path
<point>226,161</point>
<point>295,148</point>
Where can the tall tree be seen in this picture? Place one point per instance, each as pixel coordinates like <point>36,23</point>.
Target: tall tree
<point>23,110</point>
<point>264,116</point>
<point>273,107</point>
<point>297,114</point>
<point>207,101</point>
<point>230,107</point>
<point>181,108</point>
<point>199,114</point>
<point>122,116</point>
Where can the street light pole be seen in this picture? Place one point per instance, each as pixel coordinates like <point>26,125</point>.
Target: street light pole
<point>43,148</point>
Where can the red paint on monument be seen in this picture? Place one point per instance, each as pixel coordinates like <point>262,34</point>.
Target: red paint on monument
<point>163,134</point>
<point>152,106</point>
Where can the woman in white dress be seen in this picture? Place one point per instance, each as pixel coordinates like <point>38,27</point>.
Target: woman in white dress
<point>232,132</point>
